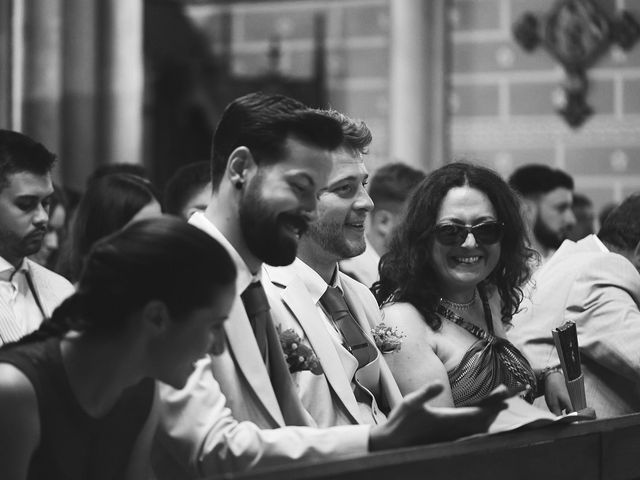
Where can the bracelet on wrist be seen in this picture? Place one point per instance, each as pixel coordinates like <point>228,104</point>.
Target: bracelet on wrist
<point>548,371</point>
<point>543,374</point>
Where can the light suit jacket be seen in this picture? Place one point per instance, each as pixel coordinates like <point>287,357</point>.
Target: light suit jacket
<point>50,288</point>
<point>300,313</point>
<point>215,423</point>
<point>600,292</point>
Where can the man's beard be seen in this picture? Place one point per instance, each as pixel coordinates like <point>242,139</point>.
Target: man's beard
<point>330,238</point>
<point>264,231</point>
<point>20,248</point>
<point>547,237</point>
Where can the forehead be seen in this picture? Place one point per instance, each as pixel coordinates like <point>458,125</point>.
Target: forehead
<point>346,165</point>
<point>465,203</point>
<point>305,159</point>
<point>27,183</point>
<point>558,196</point>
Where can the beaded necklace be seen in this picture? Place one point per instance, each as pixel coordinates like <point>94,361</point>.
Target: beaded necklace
<point>449,314</point>
<point>463,307</point>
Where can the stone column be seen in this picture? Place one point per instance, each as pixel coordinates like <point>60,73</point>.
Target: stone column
<point>79,143</point>
<point>6,17</point>
<point>122,76</point>
<point>42,70</point>
<point>418,82</point>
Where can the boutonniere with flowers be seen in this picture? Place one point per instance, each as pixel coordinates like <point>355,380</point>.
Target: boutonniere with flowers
<point>299,356</point>
<point>388,339</point>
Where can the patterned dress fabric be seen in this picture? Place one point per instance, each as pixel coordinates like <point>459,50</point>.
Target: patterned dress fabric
<point>489,362</point>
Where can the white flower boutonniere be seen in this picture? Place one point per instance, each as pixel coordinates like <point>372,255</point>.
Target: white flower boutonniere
<point>299,357</point>
<point>388,339</point>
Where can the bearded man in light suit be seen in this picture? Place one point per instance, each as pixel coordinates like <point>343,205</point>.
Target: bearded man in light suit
<point>347,393</point>
<point>239,410</point>
<point>595,283</point>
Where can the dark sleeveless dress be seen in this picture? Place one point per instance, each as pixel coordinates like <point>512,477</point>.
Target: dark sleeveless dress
<point>489,362</point>
<point>74,445</point>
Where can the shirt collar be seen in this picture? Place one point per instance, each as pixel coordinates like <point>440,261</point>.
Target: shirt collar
<point>245,277</point>
<point>601,245</point>
<point>7,271</point>
<point>313,282</point>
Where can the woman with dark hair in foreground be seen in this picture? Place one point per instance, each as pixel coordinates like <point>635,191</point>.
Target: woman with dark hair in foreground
<point>77,397</point>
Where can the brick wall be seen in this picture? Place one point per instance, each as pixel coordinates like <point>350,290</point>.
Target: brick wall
<point>502,97</point>
<point>357,49</point>
<point>502,102</point>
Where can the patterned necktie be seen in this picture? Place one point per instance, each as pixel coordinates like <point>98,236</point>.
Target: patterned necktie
<point>257,307</point>
<point>355,339</point>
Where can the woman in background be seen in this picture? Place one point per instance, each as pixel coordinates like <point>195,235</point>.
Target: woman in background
<point>77,396</point>
<point>451,282</point>
<point>110,202</point>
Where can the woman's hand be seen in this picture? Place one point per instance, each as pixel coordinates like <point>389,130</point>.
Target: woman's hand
<point>556,394</point>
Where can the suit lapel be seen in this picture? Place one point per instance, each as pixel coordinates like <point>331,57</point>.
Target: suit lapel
<point>367,320</point>
<point>246,353</point>
<point>297,299</point>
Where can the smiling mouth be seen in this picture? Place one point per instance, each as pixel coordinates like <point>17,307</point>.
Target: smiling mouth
<point>294,224</point>
<point>467,260</point>
<point>357,226</point>
<point>295,230</point>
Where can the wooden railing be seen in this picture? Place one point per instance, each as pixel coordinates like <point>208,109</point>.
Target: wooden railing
<point>599,449</point>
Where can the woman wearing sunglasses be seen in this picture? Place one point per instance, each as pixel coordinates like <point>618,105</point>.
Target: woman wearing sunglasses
<point>450,283</point>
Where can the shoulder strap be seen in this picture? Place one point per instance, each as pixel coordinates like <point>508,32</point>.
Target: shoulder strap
<point>488,318</point>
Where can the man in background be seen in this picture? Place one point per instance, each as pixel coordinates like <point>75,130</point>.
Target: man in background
<point>28,292</point>
<point>547,197</point>
<point>596,284</point>
<point>188,190</point>
<point>389,188</point>
<point>585,217</point>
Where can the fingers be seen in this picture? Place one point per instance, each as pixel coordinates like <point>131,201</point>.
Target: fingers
<point>567,405</point>
<point>426,393</point>
<point>555,408</point>
<point>498,395</point>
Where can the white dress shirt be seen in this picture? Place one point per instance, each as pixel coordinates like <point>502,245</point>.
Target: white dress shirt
<point>16,292</point>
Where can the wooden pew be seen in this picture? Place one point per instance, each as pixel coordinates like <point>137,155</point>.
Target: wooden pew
<point>600,449</point>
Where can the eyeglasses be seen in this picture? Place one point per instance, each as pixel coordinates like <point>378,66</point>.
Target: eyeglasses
<point>486,233</point>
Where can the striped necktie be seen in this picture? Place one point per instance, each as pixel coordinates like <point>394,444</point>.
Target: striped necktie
<point>355,340</point>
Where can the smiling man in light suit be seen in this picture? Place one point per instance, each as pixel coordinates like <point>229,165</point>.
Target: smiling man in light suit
<point>352,390</point>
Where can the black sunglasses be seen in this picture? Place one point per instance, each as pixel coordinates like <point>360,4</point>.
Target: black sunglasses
<point>486,233</point>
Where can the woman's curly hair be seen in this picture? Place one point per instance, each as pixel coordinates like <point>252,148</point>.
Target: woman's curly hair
<point>406,271</point>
